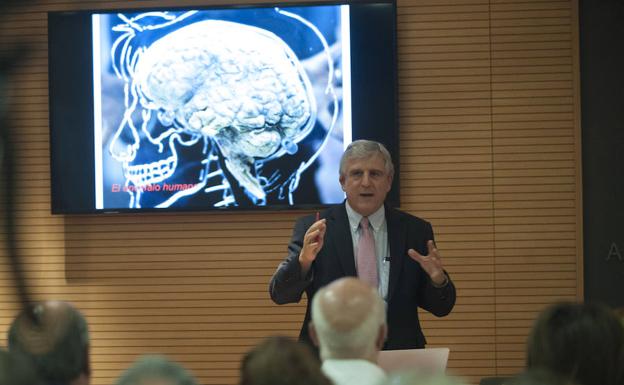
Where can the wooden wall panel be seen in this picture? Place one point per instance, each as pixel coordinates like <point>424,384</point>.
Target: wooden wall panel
<point>488,94</point>
<point>446,164</point>
<point>534,134</point>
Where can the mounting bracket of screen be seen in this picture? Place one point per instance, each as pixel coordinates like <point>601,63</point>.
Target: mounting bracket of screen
<point>213,108</point>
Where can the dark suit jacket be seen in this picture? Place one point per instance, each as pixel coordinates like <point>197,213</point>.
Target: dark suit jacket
<point>409,285</point>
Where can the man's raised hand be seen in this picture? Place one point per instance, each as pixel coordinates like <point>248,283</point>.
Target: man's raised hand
<point>312,244</point>
<point>431,263</point>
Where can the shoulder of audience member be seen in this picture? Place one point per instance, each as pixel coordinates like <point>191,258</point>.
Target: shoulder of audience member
<point>417,377</point>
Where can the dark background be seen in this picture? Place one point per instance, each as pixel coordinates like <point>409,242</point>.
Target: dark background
<point>602,124</point>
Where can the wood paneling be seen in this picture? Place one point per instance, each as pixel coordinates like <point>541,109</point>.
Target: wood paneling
<point>489,134</point>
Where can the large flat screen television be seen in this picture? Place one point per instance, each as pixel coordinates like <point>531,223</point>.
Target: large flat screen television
<point>221,107</point>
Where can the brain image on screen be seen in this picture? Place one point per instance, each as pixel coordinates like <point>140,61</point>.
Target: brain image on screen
<point>213,109</point>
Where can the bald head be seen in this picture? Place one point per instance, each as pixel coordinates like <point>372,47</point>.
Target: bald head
<point>348,320</point>
<point>346,303</point>
<point>53,335</point>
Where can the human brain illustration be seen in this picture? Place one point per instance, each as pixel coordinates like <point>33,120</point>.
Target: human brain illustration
<point>239,85</point>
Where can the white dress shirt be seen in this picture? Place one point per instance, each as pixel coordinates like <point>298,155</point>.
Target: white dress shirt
<point>353,372</point>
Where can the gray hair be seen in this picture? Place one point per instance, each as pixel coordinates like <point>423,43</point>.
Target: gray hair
<point>358,342</point>
<point>361,149</point>
<point>158,369</point>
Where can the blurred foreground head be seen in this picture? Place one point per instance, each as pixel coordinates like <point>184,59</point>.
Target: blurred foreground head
<point>583,343</point>
<point>53,336</point>
<point>348,320</point>
<point>156,370</point>
<point>281,361</point>
<point>16,370</point>
<point>539,377</point>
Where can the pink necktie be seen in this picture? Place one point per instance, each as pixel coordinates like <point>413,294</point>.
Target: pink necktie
<point>366,259</point>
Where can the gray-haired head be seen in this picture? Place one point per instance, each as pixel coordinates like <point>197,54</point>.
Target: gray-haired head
<point>361,149</point>
<point>156,370</point>
<point>348,320</point>
<point>54,337</point>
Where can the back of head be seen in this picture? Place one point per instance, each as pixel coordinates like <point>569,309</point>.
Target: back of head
<point>348,320</point>
<point>16,370</point>
<point>580,342</point>
<point>361,149</point>
<point>156,370</point>
<point>281,361</point>
<point>54,337</point>
<point>539,377</point>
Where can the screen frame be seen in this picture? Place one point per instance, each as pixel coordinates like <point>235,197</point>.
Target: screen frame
<point>64,189</point>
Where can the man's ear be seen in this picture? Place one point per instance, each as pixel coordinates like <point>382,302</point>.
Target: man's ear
<point>341,179</point>
<point>312,333</point>
<point>381,336</point>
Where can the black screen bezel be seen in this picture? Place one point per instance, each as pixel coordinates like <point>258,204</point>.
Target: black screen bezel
<point>71,89</point>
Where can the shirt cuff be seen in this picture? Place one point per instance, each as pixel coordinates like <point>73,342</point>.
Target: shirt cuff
<point>443,284</point>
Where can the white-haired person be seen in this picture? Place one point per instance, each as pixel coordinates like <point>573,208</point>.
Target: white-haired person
<point>349,327</point>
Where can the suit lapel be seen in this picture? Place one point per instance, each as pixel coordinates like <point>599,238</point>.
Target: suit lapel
<point>396,240</point>
<point>342,241</point>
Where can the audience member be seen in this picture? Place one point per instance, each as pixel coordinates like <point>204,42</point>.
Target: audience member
<point>15,370</point>
<point>156,370</point>
<point>416,377</point>
<point>281,361</point>
<point>349,326</point>
<point>539,377</point>
<point>582,343</point>
<point>53,336</point>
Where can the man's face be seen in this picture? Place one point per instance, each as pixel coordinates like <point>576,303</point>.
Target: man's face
<point>366,184</point>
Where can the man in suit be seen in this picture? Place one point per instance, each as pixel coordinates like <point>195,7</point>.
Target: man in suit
<point>407,268</point>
